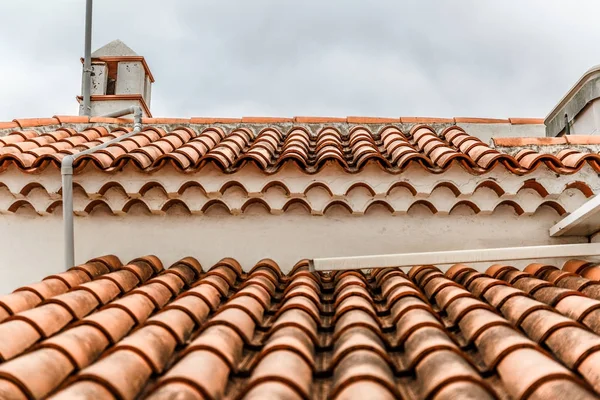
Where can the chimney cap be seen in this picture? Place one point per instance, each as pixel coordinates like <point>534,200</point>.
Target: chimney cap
<point>116,48</point>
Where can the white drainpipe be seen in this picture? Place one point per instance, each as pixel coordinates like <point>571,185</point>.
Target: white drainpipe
<point>66,170</point>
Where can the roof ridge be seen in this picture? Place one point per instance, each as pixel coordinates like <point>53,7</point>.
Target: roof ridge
<point>75,119</point>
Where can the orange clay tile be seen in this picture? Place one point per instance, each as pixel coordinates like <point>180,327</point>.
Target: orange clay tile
<point>318,120</point>
<point>525,141</point>
<point>31,122</point>
<point>208,120</point>
<point>582,139</point>
<point>194,144</point>
<point>372,120</point>
<point>265,120</point>
<point>465,120</point>
<point>226,333</point>
<point>72,119</point>
<point>179,121</point>
<point>526,121</point>
<point>8,125</point>
<point>426,120</point>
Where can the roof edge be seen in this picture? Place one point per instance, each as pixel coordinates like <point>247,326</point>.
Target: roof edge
<point>20,123</point>
<point>546,141</point>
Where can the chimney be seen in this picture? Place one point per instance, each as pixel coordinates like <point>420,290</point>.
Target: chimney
<point>578,112</point>
<point>120,78</point>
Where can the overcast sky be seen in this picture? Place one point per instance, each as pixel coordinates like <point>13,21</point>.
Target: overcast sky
<point>322,58</point>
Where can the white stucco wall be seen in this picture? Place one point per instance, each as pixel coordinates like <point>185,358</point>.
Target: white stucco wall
<point>31,246</point>
<point>99,79</point>
<point>127,214</point>
<point>130,78</point>
<point>103,107</point>
<point>587,122</point>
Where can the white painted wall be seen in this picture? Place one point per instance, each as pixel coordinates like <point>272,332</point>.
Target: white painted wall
<point>131,76</point>
<point>587,122</point>
<point>31,241</point>
<point>103,107</point>
<point>31,246</point>
<point>99,79</point>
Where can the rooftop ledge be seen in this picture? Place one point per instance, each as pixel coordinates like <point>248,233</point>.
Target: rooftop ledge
<point>62,119</point>
<point>581,140</point>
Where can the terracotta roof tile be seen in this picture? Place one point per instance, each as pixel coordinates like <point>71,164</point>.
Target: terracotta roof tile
<point>190,147</point>
<point>141,331</point>
<point>582,139</point>
<point>31,122</point>
<point>318,120</point>
<point>208,120</point>
<point>372,120</point>
<point>526,121</point>
<point>466,120</point>
<point>524,141</point>
<point>68,119</point>
<point>426,120</point>
<point>9,125</point>
<point>72,119</point>
<point>265,120</point>
<point>165,121</point>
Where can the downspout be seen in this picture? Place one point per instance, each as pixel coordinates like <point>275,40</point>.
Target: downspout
<point>66,170</point>
<point>87,61</point>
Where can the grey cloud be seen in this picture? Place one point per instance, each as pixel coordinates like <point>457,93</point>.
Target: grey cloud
<point>285,58</point>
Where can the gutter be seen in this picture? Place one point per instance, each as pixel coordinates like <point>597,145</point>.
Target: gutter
<point>66,171</point>
<point>456,256</point>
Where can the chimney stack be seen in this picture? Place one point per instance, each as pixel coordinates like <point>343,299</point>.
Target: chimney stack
<point>120,78</point>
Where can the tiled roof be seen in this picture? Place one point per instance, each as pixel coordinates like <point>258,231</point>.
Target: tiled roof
<point>188,145</point>
<point>103,330</point>
<point>69,119</point>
